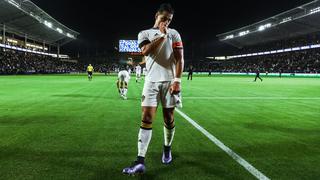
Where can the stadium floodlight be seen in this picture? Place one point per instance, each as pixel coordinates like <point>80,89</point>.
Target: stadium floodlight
<point>243,33</point>
<point>305,47</point>
<point>13,41</point>
<point>231,57</point>
<point>35,46</point>
<point>32,51</point>
<point>70,35</point>
<point>314,10</point>
<point>229,37</point>
<point>287,19</point>
<point>296,49</point>
<point>48,24</point>
<point>265,26</point>
<point>280,51</point>
<point>288,50</point>
<point>60,30</point>
<point>220,58</point>
<point>315,46</point>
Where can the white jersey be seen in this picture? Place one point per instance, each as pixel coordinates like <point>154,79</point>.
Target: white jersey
<point>138,69</point>
<point>144,71</point>
<point>124,76</point>
<point>161,64</point>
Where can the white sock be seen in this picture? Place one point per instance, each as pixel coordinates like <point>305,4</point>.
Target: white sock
<point>125,91</point>
<point>144,138</point>
<point>168,136</point>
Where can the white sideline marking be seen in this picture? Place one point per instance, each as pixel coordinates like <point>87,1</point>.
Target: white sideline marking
<point>253,98</point>
<point>226,149</point>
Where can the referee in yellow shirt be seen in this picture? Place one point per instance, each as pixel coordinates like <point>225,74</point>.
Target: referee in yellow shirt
<point>90,71</point>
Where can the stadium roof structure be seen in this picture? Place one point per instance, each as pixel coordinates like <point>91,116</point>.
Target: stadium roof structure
<point>301,20</point>
<point>24,18</point>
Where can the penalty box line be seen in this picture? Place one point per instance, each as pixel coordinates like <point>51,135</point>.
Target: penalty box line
<point>255,172</point>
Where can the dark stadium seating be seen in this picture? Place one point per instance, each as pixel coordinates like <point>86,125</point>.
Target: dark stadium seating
<point>307,61</point>
<point>14,62</point>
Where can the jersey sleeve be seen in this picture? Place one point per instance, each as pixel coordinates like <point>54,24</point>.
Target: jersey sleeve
<point>176,41</point>
<point>143,39</point>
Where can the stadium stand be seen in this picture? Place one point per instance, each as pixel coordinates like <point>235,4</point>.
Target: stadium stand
<point>307,61</point>
<point>28,36</point>
<point>288,43</point>
<point>299,21</point>
<point>16,62</point>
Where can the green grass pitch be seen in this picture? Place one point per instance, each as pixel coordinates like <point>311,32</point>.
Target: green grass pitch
<point>65,127</point>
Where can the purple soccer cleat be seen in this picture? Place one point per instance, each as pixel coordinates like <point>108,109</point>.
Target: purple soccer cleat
<point>136,168</point>
<point>166,155</point>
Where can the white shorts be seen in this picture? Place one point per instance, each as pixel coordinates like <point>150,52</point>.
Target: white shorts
<point>155,92</point>
<point>123,78</point>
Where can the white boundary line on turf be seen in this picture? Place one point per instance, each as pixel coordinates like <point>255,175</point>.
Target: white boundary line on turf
<point>235,156</point>
<point>253,98</point>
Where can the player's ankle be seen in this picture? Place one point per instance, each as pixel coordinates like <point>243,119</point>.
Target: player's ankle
<point>166,148</point>
<point>140,160</point>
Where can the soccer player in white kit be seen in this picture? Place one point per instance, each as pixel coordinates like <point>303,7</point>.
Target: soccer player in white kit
<point>122,83</point>
<point>163,49</point>
<point>138,73</point>
<point>144,71</point>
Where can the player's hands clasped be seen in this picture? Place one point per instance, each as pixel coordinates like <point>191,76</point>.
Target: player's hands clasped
<point>175,88</point>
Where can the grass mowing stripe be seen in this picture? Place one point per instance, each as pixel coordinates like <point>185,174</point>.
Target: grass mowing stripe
<point>235,156</point>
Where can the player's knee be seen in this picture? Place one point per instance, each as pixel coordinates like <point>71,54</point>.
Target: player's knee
<point>168,115</point>
<point>147,117</point>
<point>170,124</point>
<point>146,122</point>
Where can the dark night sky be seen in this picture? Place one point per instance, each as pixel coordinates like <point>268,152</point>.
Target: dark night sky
<point>102,24</point>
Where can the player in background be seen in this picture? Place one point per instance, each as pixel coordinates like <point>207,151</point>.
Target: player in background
<point>190,72</point>
<point>144,71</point>
<point>163,49</point>
<point>129,70</point>
<point>122,83</point>
<point>258,76</point>
<point>90,72</point>
<point>210,71</point>
<point>138,73</point>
